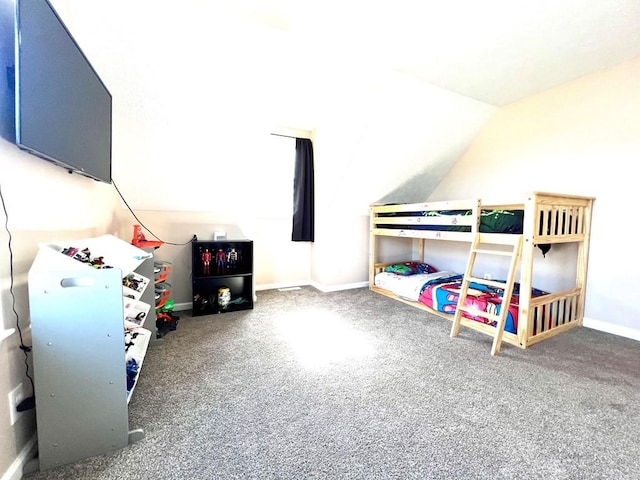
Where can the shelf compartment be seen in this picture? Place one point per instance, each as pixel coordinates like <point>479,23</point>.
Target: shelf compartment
<point>134,285</point>
<point>161,271</point>
<point>136,352</point>
<point>136,313</point>
<point>163,291</point>
<point>233,257</point>
<point>205,294</point>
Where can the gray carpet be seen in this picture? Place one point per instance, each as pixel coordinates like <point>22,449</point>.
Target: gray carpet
<point>354,385</point>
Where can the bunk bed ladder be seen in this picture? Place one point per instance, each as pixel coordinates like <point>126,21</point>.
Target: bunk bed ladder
<point>515,241</point>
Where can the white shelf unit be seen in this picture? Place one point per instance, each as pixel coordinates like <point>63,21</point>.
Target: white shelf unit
<point>78,323</point>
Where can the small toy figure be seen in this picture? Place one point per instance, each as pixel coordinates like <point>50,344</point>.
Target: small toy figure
<point>83,256</point>
<point>200,303</point>
<point>70,251</point>
<point>206,261</point>
<point>97,262</point>
<point>232,259</point>
<point>221,261</point>
<point>131,282</point>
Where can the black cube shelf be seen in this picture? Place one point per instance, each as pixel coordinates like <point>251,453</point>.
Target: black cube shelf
<point>222,276</point>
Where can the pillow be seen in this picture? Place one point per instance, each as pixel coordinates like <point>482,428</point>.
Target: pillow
<point>410,268</point>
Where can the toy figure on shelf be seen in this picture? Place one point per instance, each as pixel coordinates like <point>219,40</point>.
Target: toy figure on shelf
<point>83,255</point>
<point>98,262</point>
<point>232,259</point>
<point>221,261</point>
<point>206,261</point>
<point>70,251</point>
<point>131,282</point>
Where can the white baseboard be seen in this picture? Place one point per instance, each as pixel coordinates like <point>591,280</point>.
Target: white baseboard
<point>14,472</point>
<point>179,307</point>
<point>275,286</point>
<point>319,286</point>
<point>619,330</point>
<point>336,288</point>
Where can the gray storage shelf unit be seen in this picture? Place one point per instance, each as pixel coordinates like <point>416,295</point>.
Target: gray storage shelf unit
<point>79,358</point>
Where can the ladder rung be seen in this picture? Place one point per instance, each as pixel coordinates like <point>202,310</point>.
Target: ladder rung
<point>494,252</point>
<point>479,313</point>
<point>483,281</point>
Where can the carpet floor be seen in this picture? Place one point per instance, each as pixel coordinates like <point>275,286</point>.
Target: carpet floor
<point>354,385</point>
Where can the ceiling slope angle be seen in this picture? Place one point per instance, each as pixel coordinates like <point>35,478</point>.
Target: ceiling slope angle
<point>497,51</point>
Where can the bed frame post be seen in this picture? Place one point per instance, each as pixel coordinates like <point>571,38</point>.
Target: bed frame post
<point>525,320</point>
<point>421,250</point>
<point>583,260</point>
<point>372,248</point>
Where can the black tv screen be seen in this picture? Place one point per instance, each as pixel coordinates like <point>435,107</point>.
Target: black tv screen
<point>63,109</point>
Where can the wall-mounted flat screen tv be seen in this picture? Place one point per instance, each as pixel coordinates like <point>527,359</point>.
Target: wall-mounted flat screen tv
<point>63,109</point>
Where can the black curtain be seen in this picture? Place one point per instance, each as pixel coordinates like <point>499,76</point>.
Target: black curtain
<point>303,203</point>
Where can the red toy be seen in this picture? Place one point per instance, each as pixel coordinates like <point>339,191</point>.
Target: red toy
<point>221,261</point>
<point>206,260</point>
<point>140,241</point>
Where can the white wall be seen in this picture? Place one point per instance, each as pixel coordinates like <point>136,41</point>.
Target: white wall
<point>381,130</point>
<point>582,138</point>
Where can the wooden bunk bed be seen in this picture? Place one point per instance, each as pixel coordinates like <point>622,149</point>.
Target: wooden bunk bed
<point>541,220</point>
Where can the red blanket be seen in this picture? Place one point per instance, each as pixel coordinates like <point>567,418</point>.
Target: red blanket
<point>443,297</point>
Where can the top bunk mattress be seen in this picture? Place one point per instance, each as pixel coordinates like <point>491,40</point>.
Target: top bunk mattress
<point>491,221</point>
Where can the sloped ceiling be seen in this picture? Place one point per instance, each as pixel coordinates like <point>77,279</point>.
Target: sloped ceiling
<point>495,51</point>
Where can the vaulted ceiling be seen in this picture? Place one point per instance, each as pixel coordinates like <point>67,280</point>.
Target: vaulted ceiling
<point>495,51</point>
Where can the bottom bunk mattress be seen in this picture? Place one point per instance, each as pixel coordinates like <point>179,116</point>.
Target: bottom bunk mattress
<point>440,290</point>
<point>443,295</point>
<point>407,280</point>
